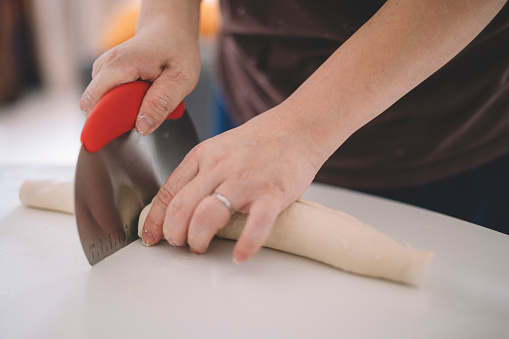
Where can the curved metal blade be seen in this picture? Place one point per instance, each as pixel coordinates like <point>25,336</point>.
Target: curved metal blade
<point>114,184</point>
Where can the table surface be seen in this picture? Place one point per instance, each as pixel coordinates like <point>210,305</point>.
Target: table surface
<point>48,289</point>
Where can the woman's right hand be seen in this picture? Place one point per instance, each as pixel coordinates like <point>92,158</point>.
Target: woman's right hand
<point>163,53</point>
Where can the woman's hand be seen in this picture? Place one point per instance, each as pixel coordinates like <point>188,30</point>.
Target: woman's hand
<point>261,167</point>
<point>163,53</point>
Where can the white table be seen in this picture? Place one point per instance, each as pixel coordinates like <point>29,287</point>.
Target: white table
<point>48,289</point>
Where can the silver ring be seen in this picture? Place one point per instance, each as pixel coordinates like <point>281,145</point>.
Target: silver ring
<point>224,200</point>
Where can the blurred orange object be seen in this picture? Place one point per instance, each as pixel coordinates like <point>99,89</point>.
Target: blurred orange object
<point>210,18</point>
<point>122,25</point>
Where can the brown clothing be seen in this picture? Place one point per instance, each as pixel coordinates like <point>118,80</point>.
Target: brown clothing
<point>455,120</point>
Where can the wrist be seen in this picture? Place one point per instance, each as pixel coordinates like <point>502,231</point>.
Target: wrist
<point>285,124</point>
<point>180,17</point>
<point>318,133</point>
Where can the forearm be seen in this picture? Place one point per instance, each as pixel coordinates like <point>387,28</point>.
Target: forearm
<point>177,15</point>
<point>399,47</point>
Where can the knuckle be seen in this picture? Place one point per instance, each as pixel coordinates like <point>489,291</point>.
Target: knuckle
<point>84,103</point>
<point>201,215</point>
<point>95,67</point>
<point>111,58</point>
<point>104,58</point>
<point>214,161</point>
<point>112,55</point>
<point>192,157</point>
<point>152,223</point>
<point>86,100</point>
<point>198,151</point>
<point>186,77</point>
<point>176,71</point>
<point>176,208</point>
<point>165,195</point>
<point>159,105</point>
<point>214,158</point>
<point>277,188</point>
<point>243,177</point>
<point>203,146</point>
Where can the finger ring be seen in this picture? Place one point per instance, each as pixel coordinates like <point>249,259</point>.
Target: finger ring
<point>224,200</point>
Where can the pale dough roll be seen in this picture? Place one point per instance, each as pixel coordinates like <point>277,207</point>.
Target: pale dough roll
<point>304,228</point>
<point>54,195</point>
<point>338,239</point>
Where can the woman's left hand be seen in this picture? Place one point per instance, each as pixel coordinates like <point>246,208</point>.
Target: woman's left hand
<point>261,167</point>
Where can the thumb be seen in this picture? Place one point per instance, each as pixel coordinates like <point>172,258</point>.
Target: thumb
<point>161,99</point>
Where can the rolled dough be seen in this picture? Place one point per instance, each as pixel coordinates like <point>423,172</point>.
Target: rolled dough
<point>314,231</point>
<point>54,195</point>
<point>305,228</point>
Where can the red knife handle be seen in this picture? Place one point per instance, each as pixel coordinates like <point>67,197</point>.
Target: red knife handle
<point>116,113</point>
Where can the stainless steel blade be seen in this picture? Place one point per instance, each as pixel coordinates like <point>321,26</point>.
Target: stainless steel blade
<point>114,184</point>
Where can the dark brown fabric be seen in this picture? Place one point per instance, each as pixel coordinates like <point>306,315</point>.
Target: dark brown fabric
<point>455,120</point>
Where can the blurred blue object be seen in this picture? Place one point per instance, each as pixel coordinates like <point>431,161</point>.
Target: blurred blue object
<point>222,121</point>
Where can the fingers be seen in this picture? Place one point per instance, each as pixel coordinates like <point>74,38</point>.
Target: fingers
<point>180,210</point>
<point>213,213</point>
<point>167,91</point>
<point>209,216</point>
<point>105,79</point>
<point>186,212</point>
<point>153,227</point>
<point>262,215</point>
<point>205,214</point>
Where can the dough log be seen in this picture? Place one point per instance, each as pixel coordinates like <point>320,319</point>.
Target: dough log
<point>54,195</point>
<point>305,228</point>
<point>314,231</point>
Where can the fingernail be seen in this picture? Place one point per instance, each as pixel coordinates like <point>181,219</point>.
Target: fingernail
<point>166,236</point>
<point>148,239</point>
<point>145,125</point>
<point>173,243</point>
<point>193,250</point>
<point>239,258</point>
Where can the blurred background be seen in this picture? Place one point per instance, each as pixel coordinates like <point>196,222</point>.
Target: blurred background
<point>47,48</point>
